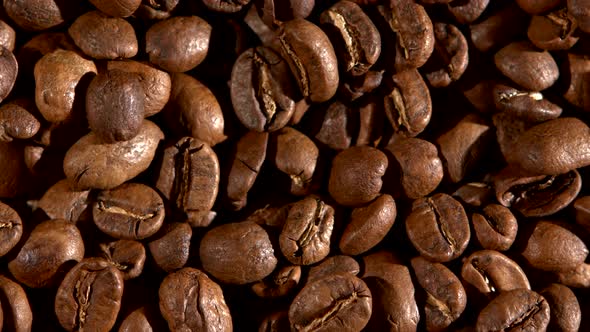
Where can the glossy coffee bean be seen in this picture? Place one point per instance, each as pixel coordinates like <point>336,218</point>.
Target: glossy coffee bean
<point>333,265</point>
<point>11,228</point>
<point>61,201</point>
<point>117,8</point>
<point>564,308</point>
<point>450,56</point>
<point>553,31</point>
<point>495,227</point>
<point>467,11</point>
<point>170,248</point>
<point>7,36</point>
<point>529,106</point>
<point>8,72</point>
<point>35,15</point>
<point>16,309</point>
<point>579,10</point>
<point>493,32</point>
<point>17,122</point>
<point>280,283</point>
<point>127,256</point>
<point>224,6</point>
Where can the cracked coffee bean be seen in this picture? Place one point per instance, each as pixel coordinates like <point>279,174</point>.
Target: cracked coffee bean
<point>529,106</point>
<point>127,256</point>
<point>11,228</point>
<point>450,57</point>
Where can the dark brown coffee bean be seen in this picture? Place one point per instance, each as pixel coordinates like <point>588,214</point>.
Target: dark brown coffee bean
<point>528,67</point>
<point>535,7</point>
<point>280,283</point>
<point>311,57</point>
<point>358,42</point>
<point>579,277</point>
<point>368,225</point>
<point>418,165</point>
<point>170,247</point>
<point>563,307</point>
<point>408,106</point>
<point>295,155</point>
<point>7,36</point>
<point>126,255</point>
<point>553,247</point>
<point>305,238</point>
<point>438,227</point>
<point>414,36</point>
<point>16,122</point>
<point>50,245</point>
<point>8,72</point>
<point>275,322</point>
<point>333,265</point>
<point>338,302</point>
<point>89,297</point>
<point>36,15</point>
<point>575,71</point>
<point>467,11</point>
<point>89,163</point>
<point>131,211</point>
<point>185,50</point>
<point>450,57</point>
<point>529,106</point>
<point>579,10</point>
<point>582,209</point>
<point>117,8</point>
<point>475,193</point>
<point>356,175</point>
<point>102,37</point>
<point>56,76</point>
<point>16,310</point>
<point>553,147</point>
<point>499,29</point>
<point>357,86</point>
<point>335,131</point>
<point>190,301</point>
<point>226,6</point>
<point>11,228</point>
<point>495,227</point>
<point>445,297</point>
<point>370,124</point>
<point>249,155</point>
<point>189,179</point>
<point>60,201</point>
<point>489,273</point>
<point>509,128</point>
<point>519,309</point>
<point>262,90</point>
<point>553,31</point>
<point>284,10</point>
<point>156,83</point>
<point>115,105</point>
<point>193,110</point>
<point>13,170</point>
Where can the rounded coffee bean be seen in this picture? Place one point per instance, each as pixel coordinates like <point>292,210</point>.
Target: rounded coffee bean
<point>280,283</point>
<point>467,11</point>
<point>575,72</point>
<point>16,311</point>
<point>305,238</point>
<point>339,302</point>
<point>227,253</point>
<point>170,247</point>
<point>579,10</point>
<point>475,193</point>
<point>225,6</point>
<point>16,122</point>
<point>535,7</point>
<point>126,255</point>
<point>60,201</point>
<point>438,227</point>
<point>115,105</point>
<point>333,265</point>
<point>7,36</point>
<point>117,8</point>
<point>102,37</point>
<point>8,72</point>
<point>553,31</point>
<point>311,57</point>
<point>368,225</point>
<point>11,228</point>
<point>519,309</point>
<point>528,67</point>
<point>356,175</point>
<point>564,308</point>
<point>178,44</point>
<point>495,227</point>
<point>493,32</point>
<point>137,321</point>
<point>284,10</point>
<point>89,297</point>
<point>450,56</point>
<point>90,163</point>
<point>51,244</point>
<point>529,106</point>
<point>35,15</point>
<point>190,301</point>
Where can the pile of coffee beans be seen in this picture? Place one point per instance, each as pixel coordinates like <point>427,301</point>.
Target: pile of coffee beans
<point>294,165</point>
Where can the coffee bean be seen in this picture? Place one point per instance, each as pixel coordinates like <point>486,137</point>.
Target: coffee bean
<point>225,6</point>
<point>170,247</point>
<point>8,72</point>
<point>189,300</point>
<point>126,255</point>
<point>102,37</point>
<point>575,71</point>
<point>333,265</point>
<point>529,106</point>
<point>467,11</point>
<point>357,86</point>
<point>577,277</point>
<point>475,193</point>
<point>51,244</point>
<point>516,309</point>
<point>526,66</point>
<point>305,238</point>
<point>338,302</point>
<point>89,297</point>
<point>90,163</point>
<point>275,322</point>
<point>535,7</point>
<point>438,227</point>
<point>11,228</point>
<point>282,282</point>
<point>449,59</point>
<point>16,310</point>
<point>136,321</point>
<point>495,227</point>
<point>579,10</point>
<point>16,122</point>
<point>131,211</point>
<point>117,8</point>
<point>493,32</point>
<point>563,307</point>
<point>13,171</point>
<point>172,54</point>
<point>60,201</point>
<point>36,15</point>
<point>582,209</point>
<point>553,31</point>
<point>335,131</point>
<point>7,36</point>
<point>284,10</point>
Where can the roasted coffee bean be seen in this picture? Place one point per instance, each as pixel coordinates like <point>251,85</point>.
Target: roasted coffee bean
<point>414,36</point>
<point>11,228</point>
<point>553,31</point>
<point>126,255</point>
<point>535,7</point>
<point>495,227</point>
<point>117,8</point>
<point>7,36</point>
<point>282,282</point>
<point>407,104</point>
<point>526,66</point>
<point>518,309</point>
<point>445,297</point>
<point>582,211</point>
<point>156,83</point>
<point>36,15</point>
<point>227,253</point>
<point>358,42</point>
<point>89,163</point>
<point>475,193</point>
<point>305,238</point>
<point>131,211</point>
<point>498,29</point>
<point>335,131</point>
<point>356,175</point>
<point>189,179</point>
<point>89,297</point>
<point>115,105</point>
<point>275,322</point>
<point>311,57</point>
<point>333,265</point>
<point>16,312</point>
<point>60,201</point>
<point>357,86</point>
<point>13,170</point>
<point>438,227</point>
<point>579,277</point>
<point>50,245</point>
<point>190,301</point>
<point>102,37</point>
<point>579,10</point>
<point>170,247</point>
<point>450,57</point>
<point>575,71</point>
<point>529,106</point>
<point>467,11</point>
<point>296,155</point>
<point>553,247</point>
<point>8,72</point>
<point>509,128</point>
<point>193,110</point>
<point>563,307</point>
<point>185,50</point>
<point>262,90</point>
<point>56,76</point>
<point>370,125</point>
<point>284,10</point>
<point>16,122</point>
<point>368,225</point>
<point>226,6</point>
<point>338,302</point>
<point>137,321</point>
